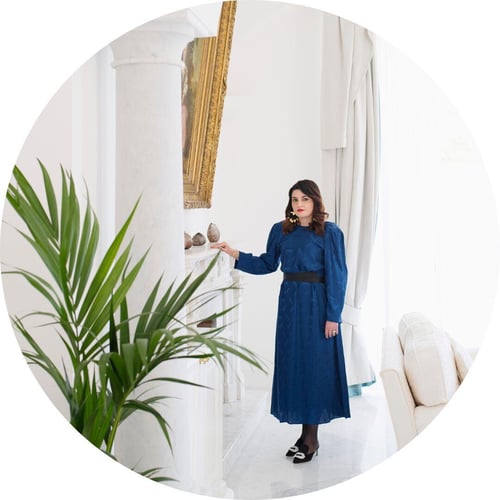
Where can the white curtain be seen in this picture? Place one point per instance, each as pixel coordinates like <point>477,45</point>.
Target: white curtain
<point>350,156</point>
<point>436,210</point>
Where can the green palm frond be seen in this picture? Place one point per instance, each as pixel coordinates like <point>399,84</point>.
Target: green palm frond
<point>153,474</point>
<point>111,353</point>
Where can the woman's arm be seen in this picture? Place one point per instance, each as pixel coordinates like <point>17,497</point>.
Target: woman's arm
<point>335,273</point>
<point>227,249</point>
<point>265,263</point>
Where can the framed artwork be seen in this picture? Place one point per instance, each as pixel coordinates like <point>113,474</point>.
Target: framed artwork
<point>203,90</point>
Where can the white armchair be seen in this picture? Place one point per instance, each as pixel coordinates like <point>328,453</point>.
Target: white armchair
<point>421,368</point>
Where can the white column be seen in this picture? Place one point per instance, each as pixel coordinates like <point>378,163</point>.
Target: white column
<point>148,63</point>
<point>149,165</point>
<point>148,137</point>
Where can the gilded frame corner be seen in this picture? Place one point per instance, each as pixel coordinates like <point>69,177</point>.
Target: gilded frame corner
<point>204,90</point>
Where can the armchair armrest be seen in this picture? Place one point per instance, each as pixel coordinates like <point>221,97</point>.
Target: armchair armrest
<point>398,394</point>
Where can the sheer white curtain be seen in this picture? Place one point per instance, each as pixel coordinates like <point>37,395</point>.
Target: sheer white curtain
<point>437,244</point>
<point>350,156</point>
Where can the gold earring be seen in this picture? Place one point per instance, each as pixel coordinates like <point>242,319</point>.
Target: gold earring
<point>293,218</point>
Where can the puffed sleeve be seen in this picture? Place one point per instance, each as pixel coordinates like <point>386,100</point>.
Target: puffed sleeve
<point>335,272</point>
<point>267,262</point>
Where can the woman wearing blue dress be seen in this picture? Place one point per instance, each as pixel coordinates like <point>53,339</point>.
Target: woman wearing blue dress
<point>309,382</point>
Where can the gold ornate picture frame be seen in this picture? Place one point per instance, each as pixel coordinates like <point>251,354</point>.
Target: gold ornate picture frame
<point>204,88</point>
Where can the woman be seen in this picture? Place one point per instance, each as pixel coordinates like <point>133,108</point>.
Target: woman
<point>309,383</point>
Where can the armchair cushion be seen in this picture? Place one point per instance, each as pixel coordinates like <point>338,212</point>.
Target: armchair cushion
<point>429,361</point>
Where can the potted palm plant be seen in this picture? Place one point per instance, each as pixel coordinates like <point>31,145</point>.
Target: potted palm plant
<point>110,353</point>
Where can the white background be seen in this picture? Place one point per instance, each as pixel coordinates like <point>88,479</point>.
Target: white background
<point>42,43</point>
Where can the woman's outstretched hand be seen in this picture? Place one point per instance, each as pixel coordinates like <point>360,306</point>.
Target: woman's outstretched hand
<point>331,329</point>
<point>224,247</point>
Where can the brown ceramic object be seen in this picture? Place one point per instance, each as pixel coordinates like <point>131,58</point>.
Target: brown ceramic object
<point>188,242</point>
<point>213,233</point>
<point>199,240</point>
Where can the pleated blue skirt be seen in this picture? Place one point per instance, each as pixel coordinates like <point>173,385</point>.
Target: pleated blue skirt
<point>309,383</point>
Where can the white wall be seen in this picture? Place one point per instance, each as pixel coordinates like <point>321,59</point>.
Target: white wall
<point>75,131</point>
<point>50,140</point>
<point>269,140</point>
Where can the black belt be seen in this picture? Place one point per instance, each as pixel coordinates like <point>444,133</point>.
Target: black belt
<point>309,277</point>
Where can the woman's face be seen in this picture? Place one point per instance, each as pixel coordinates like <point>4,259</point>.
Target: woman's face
<point>303,206</point>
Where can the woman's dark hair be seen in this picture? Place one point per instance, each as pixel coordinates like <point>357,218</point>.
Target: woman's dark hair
<point>311,189</point>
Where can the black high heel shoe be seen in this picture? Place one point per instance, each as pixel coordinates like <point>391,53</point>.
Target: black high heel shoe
<point>295,448</point>
<point>303,456</point>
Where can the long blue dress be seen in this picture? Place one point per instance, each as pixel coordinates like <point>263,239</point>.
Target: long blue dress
<point>309,383</point>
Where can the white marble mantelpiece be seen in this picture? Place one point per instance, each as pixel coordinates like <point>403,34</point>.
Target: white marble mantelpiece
<point>223,275</point>
<point>204,408</point>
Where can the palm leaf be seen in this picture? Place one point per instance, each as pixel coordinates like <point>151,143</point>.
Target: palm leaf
<point>119,294</point>
<point>110,362</point>
<point>113,337</point>
<point>39,357</point>
<point>30,199</point>
<point>174,300</point>
<point>104,267</point>
<point>41,285</point>
<point>127,411</point>
<point>148,306</point>
<point>137,405</point>
<point>124,323</point>
<point>152,474</point>
<point>101,290</point>
<point>51,198</point>
<point>70,223</point>
<point>86,253</point>
<point>175,381</point>
<point>46,254</point>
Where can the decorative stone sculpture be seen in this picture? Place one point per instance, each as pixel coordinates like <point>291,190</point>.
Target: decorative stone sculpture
<point>213,233</point>
<point>188,242</point>
<point>199,240</point>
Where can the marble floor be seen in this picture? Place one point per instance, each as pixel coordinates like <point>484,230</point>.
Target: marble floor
<point>255,443</point>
